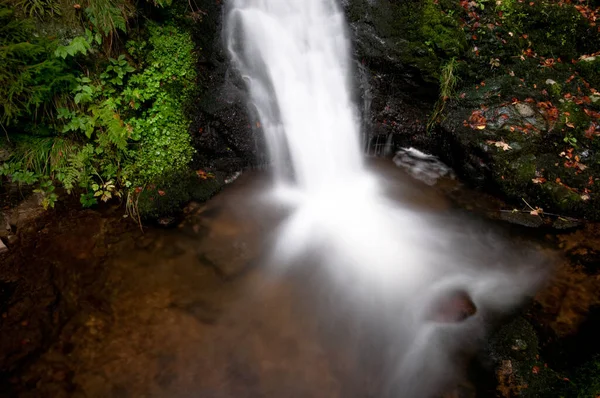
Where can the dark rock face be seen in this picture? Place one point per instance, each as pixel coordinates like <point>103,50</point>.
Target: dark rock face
<point>225,134</point>
<point>393,96</point>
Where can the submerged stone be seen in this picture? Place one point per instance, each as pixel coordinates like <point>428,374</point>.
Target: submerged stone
<point>453,307</point>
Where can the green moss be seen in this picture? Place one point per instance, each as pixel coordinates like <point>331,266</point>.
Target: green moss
<point>589,69</point>
<point>441,32</point>
<point>166,194</point>
<point>554,30</point>
<point>423,35</point>
<point>518,343</point>
<point>562,198</point>
<point>587,379</point>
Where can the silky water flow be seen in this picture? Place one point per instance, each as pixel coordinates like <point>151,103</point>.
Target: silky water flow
<point>387,262</point>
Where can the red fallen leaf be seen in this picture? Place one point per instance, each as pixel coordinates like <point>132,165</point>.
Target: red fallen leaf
<point>161,193</point>
<point>462,95</point>
<point>566,379</point>
<point>529,100</point>
<point>590,181</point>
<point>477,120</point>
<point>474,37</point>
<point>570,79</point>
<point>139,189</point>
<point>538,180</point>
<point>535,369</point>
<point>567,95</point>
<point>525,36</point>
<point>591,131</point>
<point>592,114</point>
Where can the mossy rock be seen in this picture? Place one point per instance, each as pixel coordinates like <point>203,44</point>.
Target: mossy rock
<point>421,35</point>
<point>168,194</point>
<point>587,379</point>
<point>514,349</point>
<point>589,69</point>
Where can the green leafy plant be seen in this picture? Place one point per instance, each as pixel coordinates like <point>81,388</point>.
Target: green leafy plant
<point>30,75</point>
<point>106,190</point>
<point>40,8</point>
<point>78,45</point>
<point>49,197</point>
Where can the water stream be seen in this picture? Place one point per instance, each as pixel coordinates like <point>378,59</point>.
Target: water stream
<point>387,263</point>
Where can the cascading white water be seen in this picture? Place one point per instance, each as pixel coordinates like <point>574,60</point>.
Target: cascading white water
<point>295,58</point>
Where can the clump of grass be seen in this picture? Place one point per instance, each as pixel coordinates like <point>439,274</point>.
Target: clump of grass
<point>448,83</point>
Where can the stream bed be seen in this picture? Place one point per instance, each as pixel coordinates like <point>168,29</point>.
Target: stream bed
<point>92,307</point>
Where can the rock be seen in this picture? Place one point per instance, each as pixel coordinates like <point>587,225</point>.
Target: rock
<point>26,211</point>
<point>520,218</point>
<point>224,128</point>
<point>4,155</point>
<point>524,110</point>
<point>3,247</point>
<point>422,166</point>
<point>167,222</point>
<point>520,370</point>
<point>452,307</point>
<point>564,223</point>
<point>550,82</point>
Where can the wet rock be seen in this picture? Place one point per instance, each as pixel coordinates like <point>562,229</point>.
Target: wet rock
<point>562,223</point>
<point>422,166</point>
<point>167,222</point>
<point>520,370</point>
<point>505,148</point>
<point>224,129</point>
<point>455,306</point>
<point>4,155</point>
<point>521,218</point>
<point>524,110</point>
<point>25,212</point>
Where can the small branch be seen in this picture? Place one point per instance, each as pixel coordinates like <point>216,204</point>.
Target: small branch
<point>528,205</point>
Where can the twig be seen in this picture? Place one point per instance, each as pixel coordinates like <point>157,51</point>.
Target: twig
<point>532,209</point>
<point>5,132</point>
<point>547,214</point>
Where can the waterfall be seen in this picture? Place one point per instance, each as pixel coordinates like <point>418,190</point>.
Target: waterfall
<point>294,56</point>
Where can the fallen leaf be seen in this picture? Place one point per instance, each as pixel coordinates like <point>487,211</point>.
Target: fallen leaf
<point>500,144</point>
<point>538,180</point>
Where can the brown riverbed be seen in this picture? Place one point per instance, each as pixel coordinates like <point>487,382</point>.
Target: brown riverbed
<point>93,307</point>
